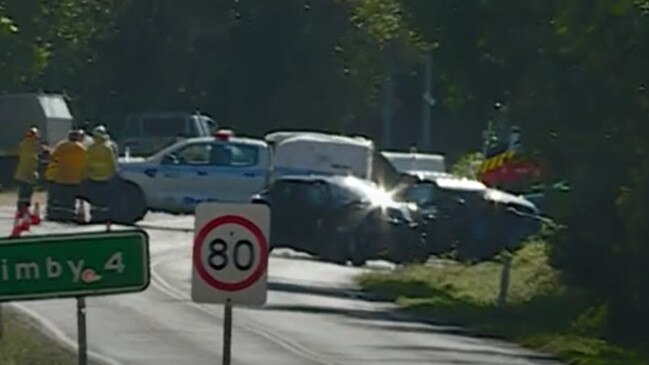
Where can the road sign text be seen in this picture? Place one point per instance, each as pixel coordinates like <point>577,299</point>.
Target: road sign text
<point>72,265</point>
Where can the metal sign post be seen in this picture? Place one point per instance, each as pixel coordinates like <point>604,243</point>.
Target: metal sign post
<point>504,280</point>
<point>81,331</point>
<point>1,324</point>
<point>227,333</point>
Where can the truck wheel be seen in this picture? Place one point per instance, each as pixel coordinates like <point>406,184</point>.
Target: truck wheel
<point>130,206</point>
<point>360,243</point>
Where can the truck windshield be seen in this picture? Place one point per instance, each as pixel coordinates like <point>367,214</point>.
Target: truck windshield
<point>161,126</point>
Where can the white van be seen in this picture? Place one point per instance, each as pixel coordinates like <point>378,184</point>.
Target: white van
<point>319,153</point>
<point>411,162</point>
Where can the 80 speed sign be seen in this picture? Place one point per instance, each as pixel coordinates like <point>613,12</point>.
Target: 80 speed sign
<point>230,253</point>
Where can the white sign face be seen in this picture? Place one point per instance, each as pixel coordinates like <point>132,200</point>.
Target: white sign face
<point>230,253</point>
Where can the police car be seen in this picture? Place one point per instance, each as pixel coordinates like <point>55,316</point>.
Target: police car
<point>221,168</point>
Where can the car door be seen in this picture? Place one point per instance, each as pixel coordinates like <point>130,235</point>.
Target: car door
<point>283,195</point>
<point>311,211</point>
<point>298,208</point>
<point>183,177</point>
<point>235,172</point>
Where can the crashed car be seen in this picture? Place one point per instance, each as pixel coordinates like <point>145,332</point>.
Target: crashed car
<point>339,218</point>
<point>462,214</point>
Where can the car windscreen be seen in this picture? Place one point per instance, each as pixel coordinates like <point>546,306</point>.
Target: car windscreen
<point>422,194</point>
<point>307,193</point>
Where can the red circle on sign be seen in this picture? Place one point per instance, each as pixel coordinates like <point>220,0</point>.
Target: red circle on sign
<point>261,242</point>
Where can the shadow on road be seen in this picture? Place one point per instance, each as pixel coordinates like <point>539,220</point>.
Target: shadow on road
<point>482,352</point>
<point>342,293</point>
<point>394,320</point>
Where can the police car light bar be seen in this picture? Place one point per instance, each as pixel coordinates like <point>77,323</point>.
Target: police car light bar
<point>223,134</point>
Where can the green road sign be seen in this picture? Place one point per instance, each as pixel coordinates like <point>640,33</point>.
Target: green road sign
<point>39,267</point>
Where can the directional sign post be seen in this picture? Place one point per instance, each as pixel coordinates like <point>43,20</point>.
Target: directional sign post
<point>74,265</point>
<point>230,258</point>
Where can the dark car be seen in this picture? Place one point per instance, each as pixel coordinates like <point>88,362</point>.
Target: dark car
<point>339,218</point>
<point>468,216</point>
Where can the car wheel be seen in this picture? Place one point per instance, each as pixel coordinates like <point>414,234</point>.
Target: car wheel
<point>359,244</point>
<point>130,206</point>
<point>334,250</point>
<point>356,254</point>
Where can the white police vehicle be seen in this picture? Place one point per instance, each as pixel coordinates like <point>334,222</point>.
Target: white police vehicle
<point>221,168</point>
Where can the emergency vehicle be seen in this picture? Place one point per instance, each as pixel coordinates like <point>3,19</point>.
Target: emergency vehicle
<point>221,168</point>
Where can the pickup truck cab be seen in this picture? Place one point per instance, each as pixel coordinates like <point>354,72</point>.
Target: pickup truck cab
<point>220,168</point>
<point>146,133</point>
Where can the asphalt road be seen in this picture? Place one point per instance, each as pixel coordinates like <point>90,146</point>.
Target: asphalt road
<point>313,316</point>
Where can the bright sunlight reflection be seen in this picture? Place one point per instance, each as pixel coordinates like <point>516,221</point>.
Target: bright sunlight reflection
<point>377,195</point>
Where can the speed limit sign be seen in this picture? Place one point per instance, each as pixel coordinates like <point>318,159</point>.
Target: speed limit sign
<point>230,253</point>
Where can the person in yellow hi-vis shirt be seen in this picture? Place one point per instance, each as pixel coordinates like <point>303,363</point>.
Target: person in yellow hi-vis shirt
<point>49,175</point>
<point>67,169</point>
<point>27,170</point>
<point>101,167</point>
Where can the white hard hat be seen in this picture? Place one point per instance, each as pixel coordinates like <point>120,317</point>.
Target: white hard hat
<point>100,131</point>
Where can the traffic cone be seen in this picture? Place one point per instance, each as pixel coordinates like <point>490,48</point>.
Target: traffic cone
<point>36,217</point>
<point>17,229</point>
<point>25,220</point>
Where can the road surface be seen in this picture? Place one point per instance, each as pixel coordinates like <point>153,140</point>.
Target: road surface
<point>313,316</point>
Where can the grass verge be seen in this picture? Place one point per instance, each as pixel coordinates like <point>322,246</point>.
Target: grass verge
<point>541,313</point>
<point>23,344</point>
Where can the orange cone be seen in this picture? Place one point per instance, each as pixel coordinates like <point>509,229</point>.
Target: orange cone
<point>36,216</point>
<point>17,230</point>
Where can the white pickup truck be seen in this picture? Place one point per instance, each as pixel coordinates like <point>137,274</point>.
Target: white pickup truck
<point>220,168</point>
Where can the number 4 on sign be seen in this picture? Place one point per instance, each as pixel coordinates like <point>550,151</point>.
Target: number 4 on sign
<point>115,263</point>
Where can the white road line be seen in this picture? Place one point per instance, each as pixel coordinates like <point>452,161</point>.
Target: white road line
<point>57,334</point>
<point>274,337</point>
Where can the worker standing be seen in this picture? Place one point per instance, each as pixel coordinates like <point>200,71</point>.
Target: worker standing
<point>101,167</point>
<point>27,170</point>
<point>50,175</point>
<point>86,139</point>
<point>68,167</point>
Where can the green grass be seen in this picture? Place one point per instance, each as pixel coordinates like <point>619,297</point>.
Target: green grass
<point>541,313</point>
<point>22,344</point>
